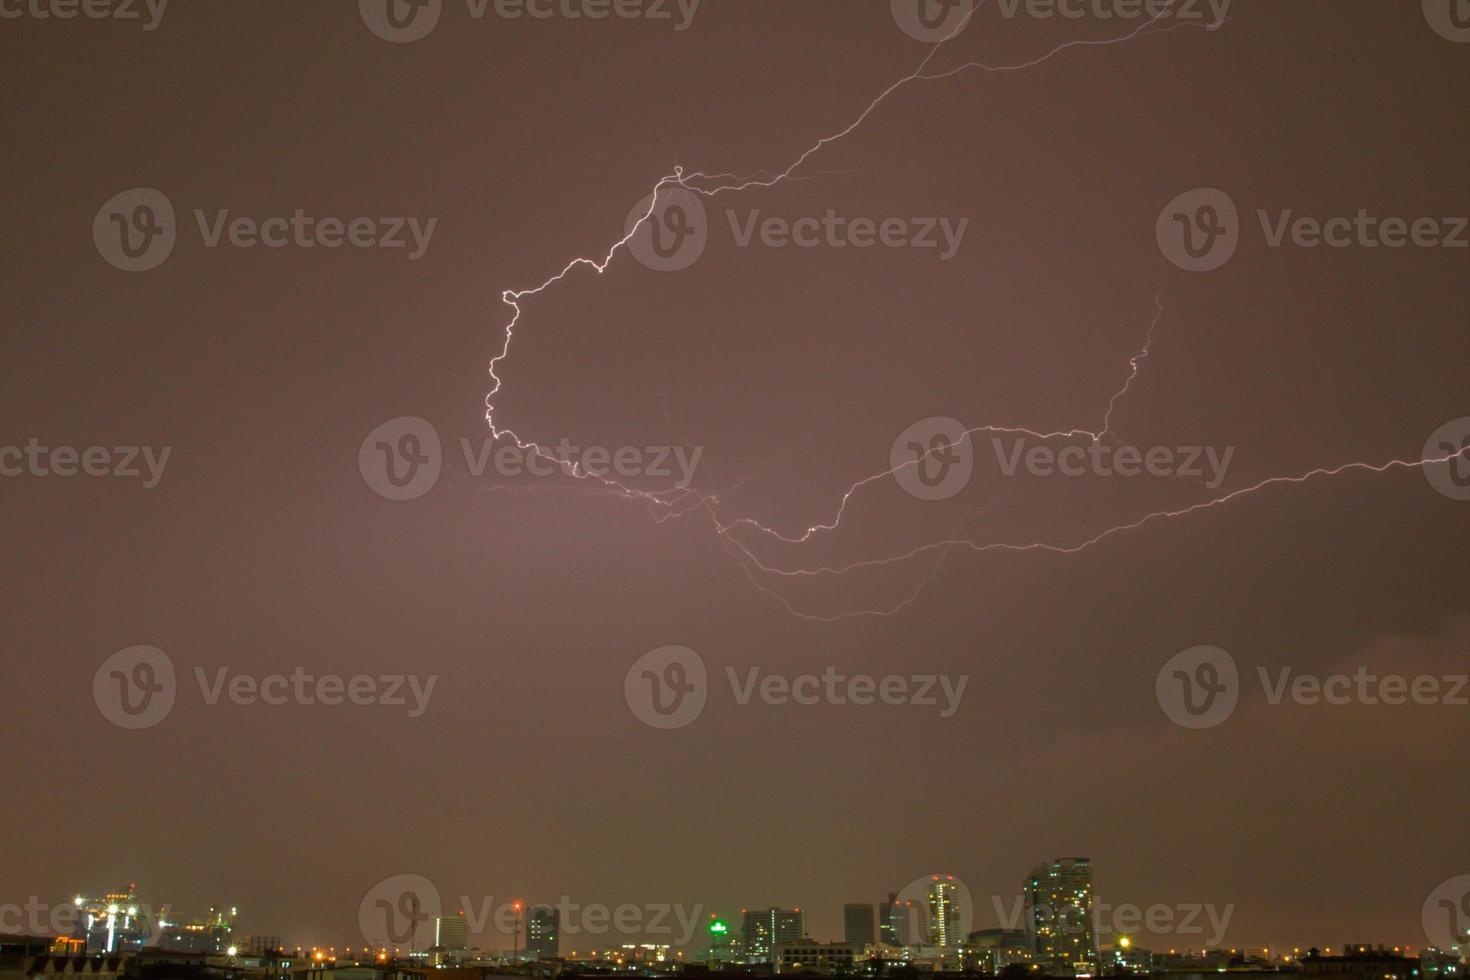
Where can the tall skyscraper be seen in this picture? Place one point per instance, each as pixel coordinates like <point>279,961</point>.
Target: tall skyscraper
<point>857,923</point>
<point>902,923</point>
<point>885,920</point>
<point>543,932</point>
<point>1060,918</point>
<point>942,919</point>
<point>755,934</point>
<point>761,928</point>
<point>788,926</point>
<point>451,933</point>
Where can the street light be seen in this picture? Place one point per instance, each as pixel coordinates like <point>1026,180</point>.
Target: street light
<point>516,943</point>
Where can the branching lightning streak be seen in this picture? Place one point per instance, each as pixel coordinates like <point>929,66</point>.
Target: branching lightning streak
<point>670,504</point>
<point>1134,366</point>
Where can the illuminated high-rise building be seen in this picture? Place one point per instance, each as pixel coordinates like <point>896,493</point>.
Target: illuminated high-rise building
<point>787,926</point>
<point>857,923</point>
<point>451,933</point>
<point>755,934</point>
<point>943,914</point>
<point>543,932</point>
<point>1060,917</point>
<point>761,928</point>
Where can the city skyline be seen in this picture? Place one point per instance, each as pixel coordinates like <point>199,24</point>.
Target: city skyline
<point>1029,912</point>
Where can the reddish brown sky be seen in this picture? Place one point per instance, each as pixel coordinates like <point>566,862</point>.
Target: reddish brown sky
<point>264,369</point>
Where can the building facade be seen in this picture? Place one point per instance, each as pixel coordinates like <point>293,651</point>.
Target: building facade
<point>858,923</point>
<point>885,919</point>
<point>992,950</point>
<point>761,929</point>
<point>543,932</point>
<point>902,925</point>
<point>451,933</point>
<point>943,912</point>
<point>215,933</point>
<point>805,956</point>
<point>1060,917</point>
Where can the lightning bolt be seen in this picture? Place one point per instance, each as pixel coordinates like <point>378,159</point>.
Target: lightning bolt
<point>665,505</point>
<point>948,544</point>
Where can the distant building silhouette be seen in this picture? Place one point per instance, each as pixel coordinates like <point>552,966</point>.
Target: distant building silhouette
<point>858,923</point>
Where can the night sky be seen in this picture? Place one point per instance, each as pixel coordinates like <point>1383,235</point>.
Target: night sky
<point>263,548</point>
